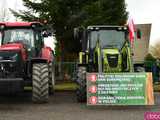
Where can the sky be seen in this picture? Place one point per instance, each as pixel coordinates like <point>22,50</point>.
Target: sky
<point>142,11</point>
<point>13,4</point>
<point>146,11</point>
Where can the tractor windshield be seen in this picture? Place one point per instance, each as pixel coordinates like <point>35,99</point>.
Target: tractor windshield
<point>24,36</point>
<point>108,38</point>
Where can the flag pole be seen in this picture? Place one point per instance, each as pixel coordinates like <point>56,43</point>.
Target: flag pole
<point>131,28</point>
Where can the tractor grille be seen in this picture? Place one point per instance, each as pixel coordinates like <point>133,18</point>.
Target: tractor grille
<point>112,60</point>
<point>10,67</point>
<point>8,70</point>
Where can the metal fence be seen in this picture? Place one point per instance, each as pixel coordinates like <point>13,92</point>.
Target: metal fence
<point>65,71</point>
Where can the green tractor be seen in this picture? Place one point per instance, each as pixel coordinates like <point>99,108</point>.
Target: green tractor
<point>105,49</point>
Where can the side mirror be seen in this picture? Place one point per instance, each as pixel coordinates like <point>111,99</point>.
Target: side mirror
<point>46,34</point>
<point>139,34</point>
<point>2,27</point>
<point>76,33</point>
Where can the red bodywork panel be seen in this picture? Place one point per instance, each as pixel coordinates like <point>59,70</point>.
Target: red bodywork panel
<point>47,54</point>
<point>19,24</point>
<point>15,47</point>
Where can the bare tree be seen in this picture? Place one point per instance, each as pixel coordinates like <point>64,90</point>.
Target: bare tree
<point>155,50</point>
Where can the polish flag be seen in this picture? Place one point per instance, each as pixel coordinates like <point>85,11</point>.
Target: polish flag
<point>131,27</point>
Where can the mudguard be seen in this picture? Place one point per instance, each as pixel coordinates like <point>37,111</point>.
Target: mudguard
<point>46,54</point>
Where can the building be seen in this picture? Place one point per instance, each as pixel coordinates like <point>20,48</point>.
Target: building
<point>141,46</point>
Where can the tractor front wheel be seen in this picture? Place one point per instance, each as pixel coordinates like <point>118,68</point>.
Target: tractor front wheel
<point>40,83</point>
<point>81,81</point>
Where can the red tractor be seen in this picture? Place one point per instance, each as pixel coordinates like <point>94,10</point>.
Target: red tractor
<point>25,60</point>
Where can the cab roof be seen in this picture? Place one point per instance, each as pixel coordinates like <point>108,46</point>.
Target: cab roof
<point>105,27</point>
<point>20,24</point>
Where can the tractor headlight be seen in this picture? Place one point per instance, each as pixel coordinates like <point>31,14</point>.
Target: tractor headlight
<point>125,28</point>
<point>2,27</point>
<point>29,49</point>
<point>33,25</point>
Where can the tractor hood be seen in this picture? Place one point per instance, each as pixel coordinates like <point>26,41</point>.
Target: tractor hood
<point>111,60</point>
<point>12,46</point>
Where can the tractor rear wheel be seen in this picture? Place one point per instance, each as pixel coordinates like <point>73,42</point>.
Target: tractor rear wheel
<point>40,83</point>
<point>81,91</point>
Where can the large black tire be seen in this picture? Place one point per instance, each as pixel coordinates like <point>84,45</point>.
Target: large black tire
<point>40,83</point>
<point>81,81</point>
<point>51,78</point>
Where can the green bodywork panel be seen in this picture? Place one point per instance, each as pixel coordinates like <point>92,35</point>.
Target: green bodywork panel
<point>121,59</point>
<point>107,67</point>
<point>83,56</point>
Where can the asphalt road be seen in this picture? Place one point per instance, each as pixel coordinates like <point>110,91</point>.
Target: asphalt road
<point>63,106</point>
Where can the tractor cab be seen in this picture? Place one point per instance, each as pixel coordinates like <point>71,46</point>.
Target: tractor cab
<point>105,48</point>
<point>24,34</point>
<point>108,46</point>
<point>108,36</point>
